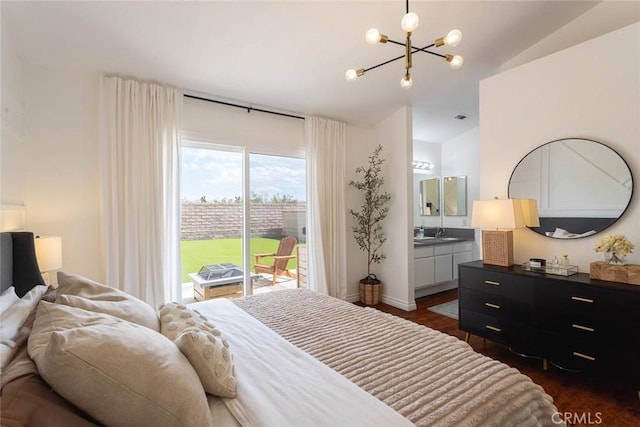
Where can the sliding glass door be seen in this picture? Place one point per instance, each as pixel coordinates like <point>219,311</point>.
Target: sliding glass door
<point>237,207</point>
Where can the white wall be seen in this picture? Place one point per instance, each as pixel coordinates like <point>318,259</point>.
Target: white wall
<point>395,271</point>
<point>592,91</point>
<point>13,146</point>
<point>460,157</point>
<point>50,156</point>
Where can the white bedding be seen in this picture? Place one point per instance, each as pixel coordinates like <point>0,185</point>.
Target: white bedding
<point>281,385</point>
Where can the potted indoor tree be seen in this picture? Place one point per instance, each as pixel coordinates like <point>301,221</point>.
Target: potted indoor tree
<point>368,229</point>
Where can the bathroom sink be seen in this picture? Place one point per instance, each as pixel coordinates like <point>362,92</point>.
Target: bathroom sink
<point>421,241</point>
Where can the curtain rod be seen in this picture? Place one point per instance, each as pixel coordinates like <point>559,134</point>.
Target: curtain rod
<point>249,109</point>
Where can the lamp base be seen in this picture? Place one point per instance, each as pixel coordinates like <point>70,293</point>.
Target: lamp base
<point>497,247</point>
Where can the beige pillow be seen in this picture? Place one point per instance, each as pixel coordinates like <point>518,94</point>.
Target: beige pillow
<point>209,355</point>
<point>202,343</point>
<point>78,291</point>
<point>118,372</point>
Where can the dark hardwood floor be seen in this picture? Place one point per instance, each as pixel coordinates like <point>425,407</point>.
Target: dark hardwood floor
<point>588,399</point>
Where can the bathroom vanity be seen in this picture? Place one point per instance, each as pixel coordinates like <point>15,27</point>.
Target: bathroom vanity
<point>436,263</point>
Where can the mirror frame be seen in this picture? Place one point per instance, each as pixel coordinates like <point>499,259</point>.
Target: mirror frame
<point>603,224</point>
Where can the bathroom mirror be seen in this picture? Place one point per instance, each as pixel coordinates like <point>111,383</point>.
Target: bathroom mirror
<point>455,195</point>
<point>430,197</point>
<point>581,186</point>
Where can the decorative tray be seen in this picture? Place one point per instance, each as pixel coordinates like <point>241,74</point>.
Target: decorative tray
<point>559,271</point>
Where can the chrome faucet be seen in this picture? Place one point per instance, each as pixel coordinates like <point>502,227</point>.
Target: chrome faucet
<point>440,232</point>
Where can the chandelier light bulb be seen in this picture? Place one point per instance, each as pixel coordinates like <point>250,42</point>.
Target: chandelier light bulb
<point>406,81</point>
<point>454,38</point>
<point>410,22</point>
<point>456,62</point>
<point>372,36</point>
<point>352,74</point>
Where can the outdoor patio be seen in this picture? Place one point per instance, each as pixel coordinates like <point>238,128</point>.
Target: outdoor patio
<point>261,285</point>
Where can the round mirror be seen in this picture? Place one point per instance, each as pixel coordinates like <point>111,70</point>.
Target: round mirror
<point>581,186</point>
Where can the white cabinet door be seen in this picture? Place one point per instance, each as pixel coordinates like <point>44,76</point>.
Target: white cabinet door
<point>424,271</point>
<point>444,268</point>
<point>460,258</point>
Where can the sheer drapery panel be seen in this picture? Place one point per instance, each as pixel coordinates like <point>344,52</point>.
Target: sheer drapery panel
<point>140,132</point>
<point>326,212</point>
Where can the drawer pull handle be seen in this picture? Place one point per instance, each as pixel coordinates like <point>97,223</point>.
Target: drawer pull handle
<point>584,356</point>
<point>491,282</point>
<point>584,328</point>
<point>488,304</point>
<point>582,299</point>
<point>493,328</point>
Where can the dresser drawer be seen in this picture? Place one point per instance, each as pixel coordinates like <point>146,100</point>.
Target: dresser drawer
<point>509,285</point>
<point>496,305</point>
<point>561,304</point>
<point>499,329</point>
<point>580,352</point>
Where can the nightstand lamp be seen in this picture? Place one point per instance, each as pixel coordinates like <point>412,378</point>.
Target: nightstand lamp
<point>499,217</point>
<point>49,254</point>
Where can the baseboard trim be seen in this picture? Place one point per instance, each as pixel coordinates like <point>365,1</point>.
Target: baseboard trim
<point>402,305</point>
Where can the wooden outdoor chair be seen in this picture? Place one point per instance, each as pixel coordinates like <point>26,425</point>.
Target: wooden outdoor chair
<point>280,259</point>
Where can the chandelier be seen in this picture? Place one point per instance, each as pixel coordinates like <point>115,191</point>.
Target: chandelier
<point>409,24</point>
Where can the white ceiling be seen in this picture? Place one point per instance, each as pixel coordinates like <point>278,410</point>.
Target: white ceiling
<point>292,55</point>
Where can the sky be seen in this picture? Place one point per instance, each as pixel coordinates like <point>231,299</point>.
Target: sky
<point>217,175</point>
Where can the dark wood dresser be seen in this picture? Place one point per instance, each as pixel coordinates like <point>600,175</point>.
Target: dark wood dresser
<point>573,322</point>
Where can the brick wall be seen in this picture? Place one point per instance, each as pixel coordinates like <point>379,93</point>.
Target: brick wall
<point>202,221</point>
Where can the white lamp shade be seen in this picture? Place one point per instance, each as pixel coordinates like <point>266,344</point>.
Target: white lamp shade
<point>530,212</point>
<point>49,252</point>
<point>497,213</point>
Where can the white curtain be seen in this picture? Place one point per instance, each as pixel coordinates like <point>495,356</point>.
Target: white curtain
<point>140,128</point>
<point>326,222</point>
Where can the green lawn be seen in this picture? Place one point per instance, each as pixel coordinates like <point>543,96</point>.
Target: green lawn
<point>196,253</point>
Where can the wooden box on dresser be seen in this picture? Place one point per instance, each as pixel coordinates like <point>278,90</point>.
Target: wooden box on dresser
<point>574,322</point>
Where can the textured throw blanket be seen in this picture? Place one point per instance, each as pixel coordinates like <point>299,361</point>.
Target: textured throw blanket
<point>431,378</point>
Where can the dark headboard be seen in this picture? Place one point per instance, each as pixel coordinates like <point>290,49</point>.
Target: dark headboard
<point>18,263</point>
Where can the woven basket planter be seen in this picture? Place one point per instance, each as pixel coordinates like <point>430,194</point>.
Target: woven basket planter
<point>370,288</point>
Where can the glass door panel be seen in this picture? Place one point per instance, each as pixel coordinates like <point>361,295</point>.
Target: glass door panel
<point>211,229</point>
<point>277,188</point>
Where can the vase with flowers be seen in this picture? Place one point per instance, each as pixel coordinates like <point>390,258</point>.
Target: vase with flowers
<point>615,247</point>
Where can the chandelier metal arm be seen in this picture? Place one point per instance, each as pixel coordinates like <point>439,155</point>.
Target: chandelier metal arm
<point>395,42</point>
<point>384,63</point>
<point>414,50</point>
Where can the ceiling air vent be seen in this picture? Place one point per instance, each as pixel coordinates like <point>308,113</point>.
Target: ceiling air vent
<point>460,117</point>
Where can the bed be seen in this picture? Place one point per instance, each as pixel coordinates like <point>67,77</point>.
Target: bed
<point>88,354</point>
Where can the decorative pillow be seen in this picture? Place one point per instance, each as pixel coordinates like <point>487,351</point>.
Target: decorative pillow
<point>78,291</point>
<point>7,298</point>
<point>118,372</point>
<point>209,355</point>
<point>203,345</point>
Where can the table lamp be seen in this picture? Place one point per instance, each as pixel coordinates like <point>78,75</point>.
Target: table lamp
<point>500,216</point>
<point>48,254</point>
